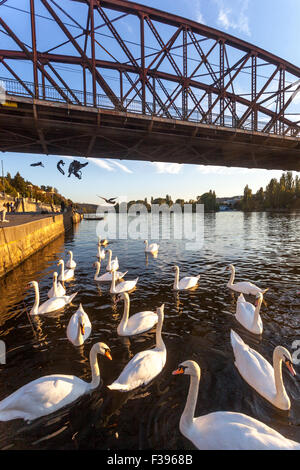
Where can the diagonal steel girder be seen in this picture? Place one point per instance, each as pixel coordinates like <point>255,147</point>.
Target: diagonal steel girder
<point>104,85</point>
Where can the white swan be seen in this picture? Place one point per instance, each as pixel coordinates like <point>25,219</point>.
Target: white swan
<point>79,327</point>
<point>107,277</point>
<point>100,253</point>
<point>137,323</point>
<point>51,392</point>
<point>145,365</point>
<point>245,287</point>
<point>225,430</point>
<point>70,264</point>
<point>248,315</point>
<point>65,274</point>
<point>124,286</point>
<point>259,373</point>
<point>185,282</point>
<point>152,248</point>
<point>112,265</point>
<point>57,290</point>
<point>51,305</point>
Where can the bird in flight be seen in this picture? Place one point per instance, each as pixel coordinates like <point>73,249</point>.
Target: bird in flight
<point>37,164</point>
<point>109,201</point>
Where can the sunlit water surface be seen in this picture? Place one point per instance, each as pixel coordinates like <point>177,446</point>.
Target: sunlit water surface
<point>264,249</point>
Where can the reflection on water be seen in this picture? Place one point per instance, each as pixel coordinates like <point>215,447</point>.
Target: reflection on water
<point>264,249</point>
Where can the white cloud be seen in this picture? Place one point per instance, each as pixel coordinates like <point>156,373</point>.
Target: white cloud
<point>172,168</point>
<point>199,16</point>
<point>122,166</point>
<point>234,18</point>
<point>101,163</point>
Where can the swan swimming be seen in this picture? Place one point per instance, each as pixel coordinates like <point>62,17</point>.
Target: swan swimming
<point>112,265</point>
<point>48,394</point>
<point>70,264</point>
<point>145,365</point>
<point>245,287</point>
<point>51,305</point>
<point>79,327</point>
<point>225,430</point>
<point>123,286</point>
<point>137,323</point>
<point>152,248</point>
<point>248,315</point>
<point>65,274</point>
<point>186,282</point>
<point>57,290</point>
<point>106,277</point>
<point>259,373</point>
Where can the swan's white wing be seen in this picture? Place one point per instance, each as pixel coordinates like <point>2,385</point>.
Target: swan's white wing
<point>41,397</point>
<point>245,313</point>
<point>253,367</point>
<point>55,303</point>
<point>108,276</point>
<point>142,368</point>
<point>188,282</point>
<point>141,322</point>
<point>235,431</point>
<point>246,287</point>
<point>126,285</point>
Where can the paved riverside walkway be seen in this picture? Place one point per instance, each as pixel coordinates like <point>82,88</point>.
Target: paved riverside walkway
<point>16,218</point>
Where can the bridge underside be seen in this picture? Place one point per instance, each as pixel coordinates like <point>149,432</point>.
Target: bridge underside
<point>33,126</point>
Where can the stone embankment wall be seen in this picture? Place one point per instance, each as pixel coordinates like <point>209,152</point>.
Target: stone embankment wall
<point>20,241</point>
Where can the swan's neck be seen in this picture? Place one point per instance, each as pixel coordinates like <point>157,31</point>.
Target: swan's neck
<point>159,341</point>
<point>113,281</point>
<point>188,414</point>
<point>95,369</point>
<point>176,279</point>
<point>281,394</point>
<point>55,286</point>
<point>231,280</point>
<point>98,266</point>
<point>256,312</point>
<point>124,320</point>
<point>37,299</point>
<point>71,256</point>
<point>109,258</point>
<point>62,271</point>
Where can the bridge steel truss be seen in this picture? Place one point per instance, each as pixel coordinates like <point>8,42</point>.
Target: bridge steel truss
<point>184,92</point>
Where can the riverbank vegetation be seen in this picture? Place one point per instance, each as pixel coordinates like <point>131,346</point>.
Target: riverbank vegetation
<point>17,187</point>
<point>208,199</point>
<point>278,195</point>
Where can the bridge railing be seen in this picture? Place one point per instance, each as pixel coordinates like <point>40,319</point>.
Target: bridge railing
<point>77,97</point>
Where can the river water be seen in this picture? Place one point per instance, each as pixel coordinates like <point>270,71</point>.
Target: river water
<point>264,247</point>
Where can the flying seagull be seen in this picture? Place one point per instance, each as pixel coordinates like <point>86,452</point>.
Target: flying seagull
<point>109,201</point>
<point>75,167</point>
<point>37,164</point>
<point>59,165</point>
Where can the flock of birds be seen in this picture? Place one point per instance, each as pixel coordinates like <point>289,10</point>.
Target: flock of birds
<point>217,430</point>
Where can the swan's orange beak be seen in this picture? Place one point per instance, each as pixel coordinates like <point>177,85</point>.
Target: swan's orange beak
<point>290,367</point>
<point>82,328</point>
<point>108,355</point>
<point>178,371</point>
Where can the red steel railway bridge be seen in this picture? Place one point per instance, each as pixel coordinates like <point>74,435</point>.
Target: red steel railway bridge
<point>117,79</point>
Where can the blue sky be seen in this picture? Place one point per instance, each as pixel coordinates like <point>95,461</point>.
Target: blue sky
<point>270,24</point>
